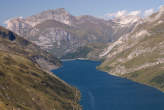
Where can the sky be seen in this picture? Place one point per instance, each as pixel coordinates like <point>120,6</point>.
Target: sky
<point>99,8</point>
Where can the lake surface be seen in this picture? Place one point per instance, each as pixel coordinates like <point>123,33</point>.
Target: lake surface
<point>101,91</point>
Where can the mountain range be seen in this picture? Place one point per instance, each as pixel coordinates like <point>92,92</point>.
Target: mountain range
<point>65,35</point>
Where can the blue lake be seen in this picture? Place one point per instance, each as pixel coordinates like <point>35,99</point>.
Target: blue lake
<point>101,91</point>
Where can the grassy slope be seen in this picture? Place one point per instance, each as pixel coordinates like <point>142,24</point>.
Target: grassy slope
<point>24,47</point>
<point>153,75</point>
<point>24,85</point>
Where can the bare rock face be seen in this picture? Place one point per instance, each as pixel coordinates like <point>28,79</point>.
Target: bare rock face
<point>21,25</point>
<point>59,15</point>
<point>60,33</point>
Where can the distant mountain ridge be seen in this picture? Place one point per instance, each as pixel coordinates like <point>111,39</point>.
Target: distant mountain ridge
<point>61,33</point>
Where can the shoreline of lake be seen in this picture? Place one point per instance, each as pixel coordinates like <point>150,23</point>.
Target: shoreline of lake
<point>107,90</point>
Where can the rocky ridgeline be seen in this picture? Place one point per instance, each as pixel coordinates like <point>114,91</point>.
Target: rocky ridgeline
<point>61,33</point>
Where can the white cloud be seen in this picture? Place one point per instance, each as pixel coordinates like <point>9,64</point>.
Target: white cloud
<point>135,13</point>
<point>123,13</point>
<point>117,14</point>
<point>148,12</point>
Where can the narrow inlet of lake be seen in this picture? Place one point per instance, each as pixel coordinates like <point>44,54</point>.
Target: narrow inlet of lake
<point>101,91</point>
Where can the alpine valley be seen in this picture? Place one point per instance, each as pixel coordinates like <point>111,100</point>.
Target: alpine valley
<point>130,46</point>
<point>68,36</point>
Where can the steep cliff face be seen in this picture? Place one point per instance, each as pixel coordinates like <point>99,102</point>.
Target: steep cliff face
<point>24,82</point>
<point>138,55</point>
<point>60,33</point>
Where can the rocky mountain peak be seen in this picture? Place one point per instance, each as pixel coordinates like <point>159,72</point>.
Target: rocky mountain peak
<point>60,32</point>
<point>59,14</point>
<point>60,10</point>
<point>53,12</point>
